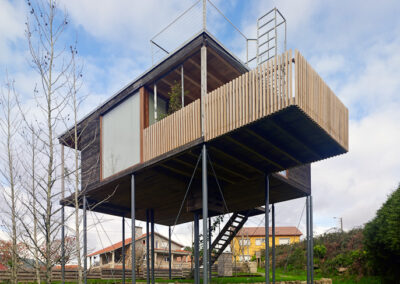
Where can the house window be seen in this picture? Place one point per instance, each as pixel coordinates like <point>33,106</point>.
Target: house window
<point>244,242</point>
<point>156,244</point>
<point>166,259</point>
<point>284,241</point>
<point>260,242</point>
<point>144,242</point>
<point>244,257</point>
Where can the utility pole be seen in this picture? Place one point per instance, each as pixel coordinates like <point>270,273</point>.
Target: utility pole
<point>341,222</point>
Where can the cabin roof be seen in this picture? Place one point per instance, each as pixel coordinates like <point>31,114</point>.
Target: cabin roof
<point>260,231</point>
<point>153,73</point>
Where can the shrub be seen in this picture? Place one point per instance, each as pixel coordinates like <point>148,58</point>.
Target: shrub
<point>382,240</point>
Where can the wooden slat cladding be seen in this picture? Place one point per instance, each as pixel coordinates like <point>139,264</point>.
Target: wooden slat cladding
<point>174,131</point>
<point>251,96</point>
<point>267,89</point>
<point>318,101</point>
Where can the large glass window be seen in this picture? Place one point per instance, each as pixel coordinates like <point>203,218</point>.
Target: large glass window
<point>121,136</point>
<point>161,107</point>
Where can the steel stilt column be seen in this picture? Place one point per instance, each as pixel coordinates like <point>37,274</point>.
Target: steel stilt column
<point>147,246</point>
<point>311,242</point>
<point>209,248</point>
<point>123,249</point>
<point>205,214</point>
<point>308,238</point>
<point>273,243</point>
<point>267,229</point>
<point>133,229</point>
<point>62,245</point>
<point>196,249</point>
<point>169,253</point>
<point>152,246</point>
<point>84,240</point>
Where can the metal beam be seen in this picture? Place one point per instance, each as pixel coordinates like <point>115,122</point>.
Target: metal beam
<point>196,249</point>
<point>62,244</point>
<point>147,247</point>
<point>133,229</point>
<point>267,229</point>
<point>203,79</point>
<point>123,249</point>
<point>169,253</point>
<point>152,245</point>
<point>311,241</point>
<point>209,246</point>
<point>308,238</point>
<point>249,149</point>
<point>273,243</point>
<point>276,148</point>
<point>205,213</point>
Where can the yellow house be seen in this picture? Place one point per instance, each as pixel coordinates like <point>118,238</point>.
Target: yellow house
<point>249,240</point>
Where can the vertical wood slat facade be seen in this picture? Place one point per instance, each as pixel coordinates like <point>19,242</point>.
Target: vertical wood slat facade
<point>174,131</point>
<point>249,97</point>
<point>258,93</point>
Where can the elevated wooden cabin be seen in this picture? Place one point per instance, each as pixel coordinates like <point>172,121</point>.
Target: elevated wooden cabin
<point>275,119</point>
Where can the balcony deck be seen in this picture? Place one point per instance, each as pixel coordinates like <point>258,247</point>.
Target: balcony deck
<point>280,115</point>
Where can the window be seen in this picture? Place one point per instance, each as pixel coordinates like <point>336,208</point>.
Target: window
<point>166,259</point>
<point>244,258</point>
<point>161,107</point>
<point>120,136</point>
<point>244,242</point>
<point>284,241</point>
<point>260,242</point>
<point>156,244</point>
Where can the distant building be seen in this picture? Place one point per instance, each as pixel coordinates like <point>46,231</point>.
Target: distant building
<point>111,256</point>
<point>249,240</point>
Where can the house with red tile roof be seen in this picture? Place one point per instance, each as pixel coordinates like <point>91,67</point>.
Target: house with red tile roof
<point>249,240</point>
<point>111,256</point>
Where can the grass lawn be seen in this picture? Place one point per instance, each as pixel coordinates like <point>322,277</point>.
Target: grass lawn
<point>279,276</point>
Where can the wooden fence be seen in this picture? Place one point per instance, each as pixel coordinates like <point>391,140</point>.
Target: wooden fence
<point>174,131</point>
<point>318,101</point>
<point>269,88</point>
<point>253,95</point>
<point>105,273</point>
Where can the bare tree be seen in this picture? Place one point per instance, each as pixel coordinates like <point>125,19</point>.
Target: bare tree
<point>44,30</point>
<point>9,125</point>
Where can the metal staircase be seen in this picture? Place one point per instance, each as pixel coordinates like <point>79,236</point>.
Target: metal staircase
<point>230,230</point>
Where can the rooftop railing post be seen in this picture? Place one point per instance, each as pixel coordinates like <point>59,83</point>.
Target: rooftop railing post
<point>205,213</point>
<point>155,102</point>
<point>183,86</point>
<point>204,15</point>
<point>123,249</point>
<point>133,229</point>
<point>267,229</point>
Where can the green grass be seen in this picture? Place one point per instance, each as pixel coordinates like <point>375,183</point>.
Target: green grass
<point>280,275</point>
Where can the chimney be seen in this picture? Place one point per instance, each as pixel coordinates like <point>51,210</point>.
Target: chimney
<point>138,231</point>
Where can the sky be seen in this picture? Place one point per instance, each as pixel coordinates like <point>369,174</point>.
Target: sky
<point>353,45</point>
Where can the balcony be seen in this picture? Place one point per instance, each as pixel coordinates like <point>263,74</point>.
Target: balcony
<point>279,115</point>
